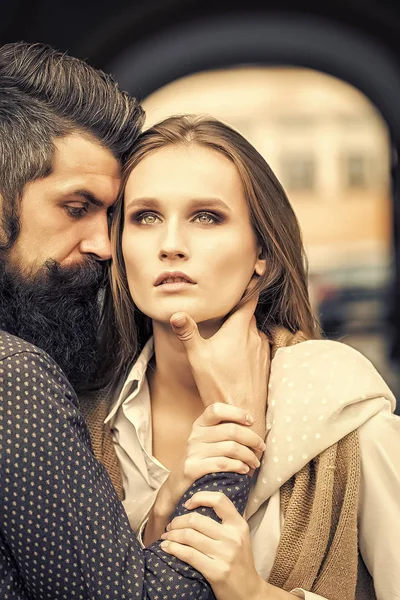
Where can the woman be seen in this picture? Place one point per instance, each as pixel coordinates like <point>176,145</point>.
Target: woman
<point>204,227</point>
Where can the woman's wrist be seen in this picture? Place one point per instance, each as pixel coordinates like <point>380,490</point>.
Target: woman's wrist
<point>168,497</point>
<point>160,513</point>
<point>267,591</point>
<point>271,592</point>
<point>155,526</point>
<point>163,506</point>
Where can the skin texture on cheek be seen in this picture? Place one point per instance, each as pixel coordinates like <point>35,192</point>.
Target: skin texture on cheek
<point>47,231</point>
<point>222,272</point>
<point>220,257</point>
<point>42,237</point>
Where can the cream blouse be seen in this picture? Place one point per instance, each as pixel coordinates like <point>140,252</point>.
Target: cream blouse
<point>319,391</point>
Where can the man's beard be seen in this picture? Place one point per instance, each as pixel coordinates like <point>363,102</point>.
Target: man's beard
<point>58,310</point>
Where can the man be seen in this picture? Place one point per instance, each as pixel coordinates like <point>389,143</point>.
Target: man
<point>65,130</point>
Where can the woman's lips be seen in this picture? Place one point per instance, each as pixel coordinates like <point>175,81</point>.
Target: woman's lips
<point>174,280</point>
<point>172,277</point>
<point>174,285</point>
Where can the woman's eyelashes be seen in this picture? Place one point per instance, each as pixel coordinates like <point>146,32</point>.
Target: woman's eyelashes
<point>208,218</point>
<point>145,218</point>
<point>152,218</point>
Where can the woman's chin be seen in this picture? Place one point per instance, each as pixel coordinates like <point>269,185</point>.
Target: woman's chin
<point>204,321</point>
<point>207,326</point>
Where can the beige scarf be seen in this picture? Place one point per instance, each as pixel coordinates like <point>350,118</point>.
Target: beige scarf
<point>318,548</point>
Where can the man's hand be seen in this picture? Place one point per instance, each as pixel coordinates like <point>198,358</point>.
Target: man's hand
<point>233,365</point>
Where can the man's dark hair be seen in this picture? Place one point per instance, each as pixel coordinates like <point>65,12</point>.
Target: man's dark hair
<point>44,95</point>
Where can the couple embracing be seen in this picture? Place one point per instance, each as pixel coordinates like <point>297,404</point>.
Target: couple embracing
<point>172,424</point>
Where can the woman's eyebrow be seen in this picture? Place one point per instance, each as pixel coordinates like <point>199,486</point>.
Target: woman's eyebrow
<point>195,203</point>
<point>209,202</point>
<point>143,203</point>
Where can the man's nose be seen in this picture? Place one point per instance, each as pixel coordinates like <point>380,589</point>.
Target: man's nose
<point>97,242</point>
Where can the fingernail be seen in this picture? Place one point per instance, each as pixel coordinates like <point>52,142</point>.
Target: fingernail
<point>188,503</point>
<point>179,321</point>
<point>246,469</point>
<point>262,446</point>
<point>168,527</point>
<point>163,536</point>
<point>164,545</point>
<point>249,419</point>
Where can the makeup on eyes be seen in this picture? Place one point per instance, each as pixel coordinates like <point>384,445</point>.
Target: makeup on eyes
<point>138,217</point>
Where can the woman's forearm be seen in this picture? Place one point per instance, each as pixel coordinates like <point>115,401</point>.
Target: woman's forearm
<point>155,526</point>
<point>159,515</point>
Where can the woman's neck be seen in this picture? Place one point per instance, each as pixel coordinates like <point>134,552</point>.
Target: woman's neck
<point>175,400</point>
<point>170,375</point>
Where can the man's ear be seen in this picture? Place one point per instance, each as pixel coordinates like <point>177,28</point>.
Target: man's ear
<point>261,263</point>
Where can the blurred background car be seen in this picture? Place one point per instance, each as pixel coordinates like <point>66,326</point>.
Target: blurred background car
<point>353,299</point>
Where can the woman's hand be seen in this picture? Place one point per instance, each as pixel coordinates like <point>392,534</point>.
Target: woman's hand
<point>220,551</point>
<point>220,441</point>
<point>232,366</point>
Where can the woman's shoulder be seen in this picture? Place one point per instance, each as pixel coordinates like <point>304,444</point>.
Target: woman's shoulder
<point>327,372</point>
<point>329,351</point>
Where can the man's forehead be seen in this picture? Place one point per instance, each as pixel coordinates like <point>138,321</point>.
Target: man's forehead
<point>80,153</point>
<point>83,166</point>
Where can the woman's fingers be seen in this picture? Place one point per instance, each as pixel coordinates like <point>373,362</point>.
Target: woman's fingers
<point>198,522</point>
<point>219,412</point>
<point>194,558</point>
<point>192,538</point>
<point>195,469</point>
<point>220,551</point>
<point>235,433</point>
<point>221,504</point>
<point>230,449</point>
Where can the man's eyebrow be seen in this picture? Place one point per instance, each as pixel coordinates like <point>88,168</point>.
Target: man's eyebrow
<point>88,196</point>
<point>195,203</point>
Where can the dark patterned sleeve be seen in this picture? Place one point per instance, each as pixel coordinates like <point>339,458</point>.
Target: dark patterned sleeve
<point>64,534</point>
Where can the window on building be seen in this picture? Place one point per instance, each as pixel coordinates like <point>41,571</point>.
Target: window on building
<point>357,171</point>
<point>298,173</point>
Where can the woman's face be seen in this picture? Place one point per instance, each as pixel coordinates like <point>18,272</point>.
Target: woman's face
<point>185,213</point>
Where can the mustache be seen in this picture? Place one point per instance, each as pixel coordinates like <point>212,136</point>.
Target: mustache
<point>88,274</point>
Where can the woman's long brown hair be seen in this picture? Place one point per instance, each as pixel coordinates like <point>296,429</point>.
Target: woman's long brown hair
<point>283,292</point>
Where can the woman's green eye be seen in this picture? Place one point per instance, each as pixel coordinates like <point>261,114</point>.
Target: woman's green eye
<point>204,218</point>
<point>207,218</point>
<point>143,218</point>
<point>149,219</point>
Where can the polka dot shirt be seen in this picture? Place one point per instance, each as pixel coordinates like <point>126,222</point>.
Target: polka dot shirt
<point>64,534</point>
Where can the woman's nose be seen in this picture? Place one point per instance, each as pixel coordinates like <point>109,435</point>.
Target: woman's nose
<point>165,254</point>
<point>173,245</point>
